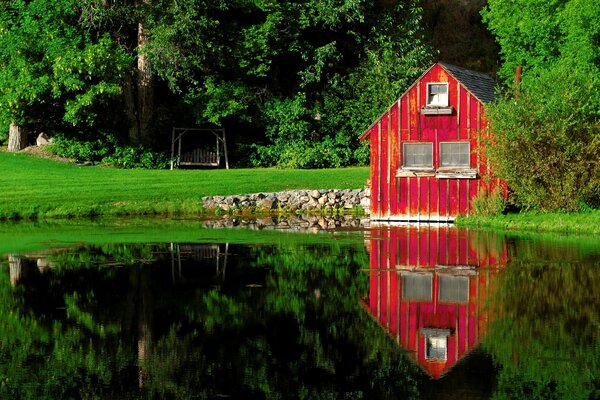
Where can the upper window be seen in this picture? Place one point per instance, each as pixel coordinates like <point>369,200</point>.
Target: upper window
<point>418,155</point>
<point>436,343</point>
<point>436,348</point>
<point>455,154</point>
<point>437,95</point>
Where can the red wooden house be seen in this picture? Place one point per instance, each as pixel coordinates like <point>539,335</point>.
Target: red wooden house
<point>425,158</point>
<point>429,290</point>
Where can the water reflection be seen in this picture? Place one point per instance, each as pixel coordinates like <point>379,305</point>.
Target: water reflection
<point>421,314</point>
<point>429,290</point>
<point>195,321</point>
<point>546,336</point>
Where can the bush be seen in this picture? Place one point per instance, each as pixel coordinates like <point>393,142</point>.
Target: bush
<point>107,150</point>
<point>546,142</point>
<point>136,157</point>
<point>486,203</point>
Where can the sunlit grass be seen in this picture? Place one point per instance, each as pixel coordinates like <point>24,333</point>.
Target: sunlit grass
<point>36,187</point>
<point>572,223</point>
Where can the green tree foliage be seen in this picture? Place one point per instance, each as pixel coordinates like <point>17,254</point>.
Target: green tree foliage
<point>301,79</point>
<point>547,139</point>
<point>536,34</point>
<point>53,73</point>
<point>311,74</point>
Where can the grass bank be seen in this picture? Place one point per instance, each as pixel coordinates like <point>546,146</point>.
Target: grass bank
<point>34,187</point>
<point>587,223</point>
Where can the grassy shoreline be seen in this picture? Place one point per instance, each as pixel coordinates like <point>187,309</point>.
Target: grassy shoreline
<point>35,187</point>
<point>585,223</point>
<point>39,188</point>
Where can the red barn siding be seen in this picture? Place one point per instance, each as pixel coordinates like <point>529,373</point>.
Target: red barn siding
<point>426,196</point>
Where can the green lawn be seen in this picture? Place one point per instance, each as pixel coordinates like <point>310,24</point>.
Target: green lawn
<point>38,187</point>
<point>587,223</point>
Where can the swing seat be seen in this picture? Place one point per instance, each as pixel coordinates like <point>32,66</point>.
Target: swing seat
<point>200,157</point>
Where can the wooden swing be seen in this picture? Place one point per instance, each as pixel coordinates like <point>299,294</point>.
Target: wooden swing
<point>198,157</point>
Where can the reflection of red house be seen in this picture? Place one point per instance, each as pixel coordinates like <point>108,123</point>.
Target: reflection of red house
<point>428,289</point>
<point>426,163</point>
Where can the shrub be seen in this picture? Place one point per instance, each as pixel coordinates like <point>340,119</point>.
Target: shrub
<point>546,142</point>
<point>488,203</point>
<point>136,157</point>
<point>82,150</point>
<point>107,150</point>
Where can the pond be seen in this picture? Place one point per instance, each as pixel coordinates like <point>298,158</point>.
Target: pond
<point>312,308</point>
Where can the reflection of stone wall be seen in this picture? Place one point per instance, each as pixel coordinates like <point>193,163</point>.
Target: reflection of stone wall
<point>305,200</point>
<point>312,223</point>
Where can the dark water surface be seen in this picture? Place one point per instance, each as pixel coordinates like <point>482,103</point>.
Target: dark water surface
<point>343,313</point>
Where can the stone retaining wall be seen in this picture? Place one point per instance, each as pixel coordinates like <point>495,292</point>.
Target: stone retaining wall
<point>292,200</point>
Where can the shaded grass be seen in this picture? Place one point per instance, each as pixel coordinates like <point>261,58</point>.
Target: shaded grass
<point>587,223</point>
<point>34,187</point>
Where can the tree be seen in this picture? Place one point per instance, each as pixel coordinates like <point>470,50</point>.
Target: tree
<point>51,69</point>
<point>536,34</point>
<point>301,71</point>
<point>546,140</point>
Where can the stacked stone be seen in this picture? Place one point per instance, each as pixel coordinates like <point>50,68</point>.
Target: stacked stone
<point>312,223</point>
<point>292,200</point>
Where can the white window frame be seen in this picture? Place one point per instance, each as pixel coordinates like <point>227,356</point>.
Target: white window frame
<point>464,166</point>
<point>437,104</point>
<point>416,167</point>
<point>438,338</point>
<point>436,341</point>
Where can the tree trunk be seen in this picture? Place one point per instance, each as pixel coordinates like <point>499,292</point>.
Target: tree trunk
<point>17,138</point>
<point>130,95</point>
<point>139,92</point>
<point>145,84</point>
<point>15,269</point>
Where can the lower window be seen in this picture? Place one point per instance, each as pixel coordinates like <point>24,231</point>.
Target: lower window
<point>455,154</point>
<point>418,155</point>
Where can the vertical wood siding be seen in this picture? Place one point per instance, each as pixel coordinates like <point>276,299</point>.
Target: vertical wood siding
<point>427,198</point>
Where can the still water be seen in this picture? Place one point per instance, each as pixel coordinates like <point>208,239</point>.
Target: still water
<point>335,312</point>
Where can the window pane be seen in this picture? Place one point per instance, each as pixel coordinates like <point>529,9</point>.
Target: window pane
<point>455,154</point>
<point>436,348</point>
<point>416,286</point>
<point>453,289</point>
<point>437,94</point>
<point>418,154</point>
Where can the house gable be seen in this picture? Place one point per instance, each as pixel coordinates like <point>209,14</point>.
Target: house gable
<point>479,85</point>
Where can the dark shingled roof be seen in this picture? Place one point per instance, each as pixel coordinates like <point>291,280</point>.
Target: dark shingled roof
<point>481,85</point>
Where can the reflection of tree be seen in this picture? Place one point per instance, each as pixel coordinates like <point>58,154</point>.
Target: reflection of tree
<point>53,342</point>
<point>546,334</point>
<point>301,334</point>
<point>286,322</point>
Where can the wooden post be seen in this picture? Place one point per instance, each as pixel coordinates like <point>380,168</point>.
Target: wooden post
<point>172,148</point>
